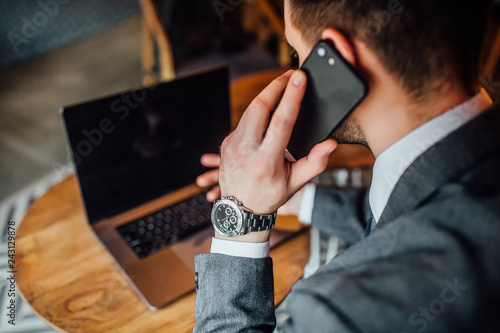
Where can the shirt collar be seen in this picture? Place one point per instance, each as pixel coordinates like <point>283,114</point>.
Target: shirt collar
<point>392,163</point>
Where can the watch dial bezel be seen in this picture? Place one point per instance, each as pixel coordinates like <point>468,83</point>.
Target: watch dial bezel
<point>239,214</point>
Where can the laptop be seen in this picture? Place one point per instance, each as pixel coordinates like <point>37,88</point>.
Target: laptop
<point>137,156</point>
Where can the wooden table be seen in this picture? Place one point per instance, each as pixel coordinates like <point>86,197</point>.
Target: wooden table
<point>71,282</point>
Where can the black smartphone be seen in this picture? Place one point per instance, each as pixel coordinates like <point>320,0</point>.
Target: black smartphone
<point>333,91</point>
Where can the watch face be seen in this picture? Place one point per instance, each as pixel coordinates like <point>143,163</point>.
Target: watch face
<point>227,217</point>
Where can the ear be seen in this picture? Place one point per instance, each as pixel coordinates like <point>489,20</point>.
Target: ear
<point>341,43</point>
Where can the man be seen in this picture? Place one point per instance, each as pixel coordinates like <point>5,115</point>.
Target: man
<point>429,259</point>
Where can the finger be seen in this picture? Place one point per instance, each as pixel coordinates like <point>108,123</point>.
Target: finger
<point>312,165</point>
<point>281,126</point>
<point>208,178</point>
<point>256,117</point>
<point>210,160</point>
<point>213,194</point>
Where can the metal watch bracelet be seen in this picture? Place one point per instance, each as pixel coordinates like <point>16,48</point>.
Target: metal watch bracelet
<point>259,222</point>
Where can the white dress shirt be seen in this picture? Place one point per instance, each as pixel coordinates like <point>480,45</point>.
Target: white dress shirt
<point>387,170</point>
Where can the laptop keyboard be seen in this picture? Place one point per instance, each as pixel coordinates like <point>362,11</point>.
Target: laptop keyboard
<point>160,229</point>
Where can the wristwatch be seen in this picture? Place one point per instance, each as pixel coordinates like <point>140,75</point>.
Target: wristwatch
<point>230,218</point>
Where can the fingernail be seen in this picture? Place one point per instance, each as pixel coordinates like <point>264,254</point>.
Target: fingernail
<point>297,78</point>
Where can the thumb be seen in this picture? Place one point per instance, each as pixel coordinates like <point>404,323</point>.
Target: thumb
<point>312,165</point>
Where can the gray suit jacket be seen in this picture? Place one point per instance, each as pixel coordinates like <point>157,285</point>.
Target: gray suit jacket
<point>432,263</point>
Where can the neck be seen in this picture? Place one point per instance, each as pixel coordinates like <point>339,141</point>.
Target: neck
<point>393,118</point>
<point>388,114</point>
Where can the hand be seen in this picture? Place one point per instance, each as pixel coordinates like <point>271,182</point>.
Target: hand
<point>210,178</point>
<point>253,166</point>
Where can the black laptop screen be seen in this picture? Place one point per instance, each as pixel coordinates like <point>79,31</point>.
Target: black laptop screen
<point>133,147</point>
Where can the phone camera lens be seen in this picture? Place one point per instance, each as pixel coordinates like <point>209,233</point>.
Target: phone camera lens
<point>321,52</point>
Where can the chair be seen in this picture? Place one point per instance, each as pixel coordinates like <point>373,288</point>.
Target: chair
<point>160,55</point>
<point>157,56</point>
<point>265,18</point>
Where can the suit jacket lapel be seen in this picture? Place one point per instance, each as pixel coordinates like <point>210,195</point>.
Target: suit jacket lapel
<point>445,161</point>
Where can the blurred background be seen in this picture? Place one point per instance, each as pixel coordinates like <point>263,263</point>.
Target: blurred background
<point>60,52</point>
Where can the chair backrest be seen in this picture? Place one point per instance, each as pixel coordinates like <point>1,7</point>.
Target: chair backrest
<point>154,34</point>
<point>182,30</point>
<point>190,25</point>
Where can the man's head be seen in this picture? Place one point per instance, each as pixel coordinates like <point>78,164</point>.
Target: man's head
<point>425,47</point>
<point>418,41</point>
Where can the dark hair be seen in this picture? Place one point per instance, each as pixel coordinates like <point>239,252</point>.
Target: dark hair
<point>422,43</point>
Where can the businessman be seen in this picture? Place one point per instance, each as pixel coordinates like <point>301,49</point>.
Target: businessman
<point>424,240</point>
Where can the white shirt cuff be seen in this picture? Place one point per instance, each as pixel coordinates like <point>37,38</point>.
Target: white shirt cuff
<point>307,204</point>
<point>240,249</point>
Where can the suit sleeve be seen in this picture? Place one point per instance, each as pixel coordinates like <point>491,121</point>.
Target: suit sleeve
<point>234,294</point>
<point>341,212</point>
